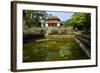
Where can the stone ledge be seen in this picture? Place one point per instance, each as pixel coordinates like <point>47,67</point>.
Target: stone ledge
<point>59,36</point>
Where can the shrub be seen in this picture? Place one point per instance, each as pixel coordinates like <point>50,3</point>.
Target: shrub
<point>54,31</point>
<point>35,31</point>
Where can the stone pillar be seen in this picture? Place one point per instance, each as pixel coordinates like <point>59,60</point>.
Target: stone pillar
<point>58,24</point>
<point>46,25</point>
<point>42,25</point>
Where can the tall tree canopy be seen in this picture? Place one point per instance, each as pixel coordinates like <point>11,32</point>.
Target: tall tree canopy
<point>33,18</point>
<point>67,23</point>
<point>81,21</point>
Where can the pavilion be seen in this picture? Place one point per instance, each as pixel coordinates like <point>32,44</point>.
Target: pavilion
<point>52,21</point>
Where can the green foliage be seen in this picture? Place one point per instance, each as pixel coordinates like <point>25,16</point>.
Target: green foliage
<point>54,31</point>
<point>34,53</point>
<point>65,51</point>
<point>67,23</point>
<point>33,18</point>
<point>62,31</point>
<point>40,52</point>
<point>52,49</point>
<point>34,31</point>
<point>79,21</point>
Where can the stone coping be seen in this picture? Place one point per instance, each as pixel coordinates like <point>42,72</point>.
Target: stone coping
<point>60,36</point>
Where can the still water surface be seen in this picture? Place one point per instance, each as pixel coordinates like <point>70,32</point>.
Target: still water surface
<point>52,50</point>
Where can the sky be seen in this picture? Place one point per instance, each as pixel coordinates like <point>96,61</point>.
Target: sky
<point>62,15</point>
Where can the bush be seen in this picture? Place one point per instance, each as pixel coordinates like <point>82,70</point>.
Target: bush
<point>54,32</point>
<point>62,32</point>
<point>35,31</point>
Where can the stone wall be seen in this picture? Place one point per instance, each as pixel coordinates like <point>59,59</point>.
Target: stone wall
<point>85,43</point>
<point>59,36</point>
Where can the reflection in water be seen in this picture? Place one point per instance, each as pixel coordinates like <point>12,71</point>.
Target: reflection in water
<point>52,50</point>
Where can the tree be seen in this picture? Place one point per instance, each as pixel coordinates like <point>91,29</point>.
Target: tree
<point>67,23</point>
<point>87,22</point>
<point>79,20</point>
<point>33,18</point>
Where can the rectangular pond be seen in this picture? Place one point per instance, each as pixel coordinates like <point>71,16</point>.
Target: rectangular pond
<point>52,50</point>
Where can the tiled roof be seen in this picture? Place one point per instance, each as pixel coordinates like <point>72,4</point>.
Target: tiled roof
<point>53,17</point>
<point>53,21</point>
